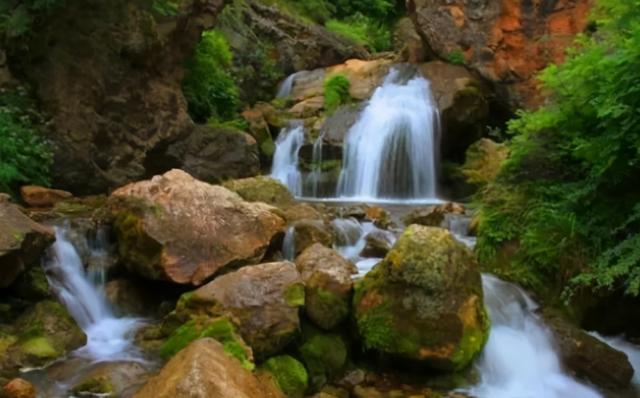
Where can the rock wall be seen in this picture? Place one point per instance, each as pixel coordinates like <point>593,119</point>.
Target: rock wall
<point>109,74</point>
<point>506,41</point>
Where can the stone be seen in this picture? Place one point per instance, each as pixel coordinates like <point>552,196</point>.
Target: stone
<point>176,228</point>
<point>588,357</point>
<point>378,244</point>
<point>112,86</point>
<point>328,285</point>
<point>407,42</point>
<point>423,302</point>
<point>111,379</point>
<point>325,356</point>
<point>309,232</point>
<point>19,388</point>
<point>43,333</point>
<point>22,243</point>
<point>507,42</point>
<point>262,189</point>
<point>262,301</point>
<point>36,196</point>
<point>203,370</point>
<point>433,216</point>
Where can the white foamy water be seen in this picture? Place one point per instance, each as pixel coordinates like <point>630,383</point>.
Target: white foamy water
<point>285,158</point>
<point>351,239</point>
<point>286,87</point>
<point>390,152</point>
<point>519,360</point>
<point>108,337</point>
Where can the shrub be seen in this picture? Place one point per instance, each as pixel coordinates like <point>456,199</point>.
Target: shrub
<point>456,58</point>
<point>208,86</point>
<point>336,91</point>
<point>25,158</point>
<point>373,35</point>
<point>17,17</point>
<point>568,194</point>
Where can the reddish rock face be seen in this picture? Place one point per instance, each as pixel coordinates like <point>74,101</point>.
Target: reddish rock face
<point>506,41</point>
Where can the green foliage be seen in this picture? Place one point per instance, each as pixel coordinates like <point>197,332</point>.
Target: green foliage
<point>208,86</point>
<point>165,8</point>
<point>17,17</point>
<point>366,31</point>
<point>25,158</point>
<point>456,58</point>
<point>568,194</point>
<point>336,91</point>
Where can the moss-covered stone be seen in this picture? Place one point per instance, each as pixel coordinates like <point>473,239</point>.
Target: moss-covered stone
<point>289,374</point>
<point>324,355</point>
<point>100,386</point>
<point>424,301</point>
<point>221,329</point>
<point>262,189</point>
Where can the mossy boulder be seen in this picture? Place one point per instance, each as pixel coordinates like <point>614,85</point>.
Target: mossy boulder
<point>262,189</point>
<point>204,370</point>
<point>176,228</point>
<point>221,329</point>
<point>262,301</point>
<point>44,332</point>
<point>328,285</point>
<point>22,243</point>
<point>105,379</point>
<point>424,301</point>
<point>289,374</point>
<point>325,356</point>
<point>310,232</point>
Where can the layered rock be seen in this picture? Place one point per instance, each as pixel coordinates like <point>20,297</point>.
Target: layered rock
<point>176,228</point>
<point>262,300</point>
<point>507,41</point>
<point>203,370</point>
<point>22,243</point>
<point>328,285</point>
<point>423,302</point>
<point>36,196</point>
<point>109,74</point>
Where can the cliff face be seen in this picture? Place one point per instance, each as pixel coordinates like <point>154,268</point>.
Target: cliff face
<point>109,74</point>
<point>506,41</point>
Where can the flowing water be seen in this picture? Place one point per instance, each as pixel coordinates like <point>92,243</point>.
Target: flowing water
<point>519,360</point>
<point>286,87</point>
<point>285,159</point>
<point>390,153</point>
<point>109,338</point>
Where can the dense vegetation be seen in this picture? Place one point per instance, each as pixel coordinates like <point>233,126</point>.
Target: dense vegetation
<point>208,85</point>
<point>336,91</point>
<point>367,22</point>
<point>24,157</point>
<point>568,197</point>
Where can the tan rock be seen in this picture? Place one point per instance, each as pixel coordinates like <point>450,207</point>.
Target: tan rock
<point>203,370</point>
<point>179,229</point>
<point>36,196</point>
<point>19,388</point>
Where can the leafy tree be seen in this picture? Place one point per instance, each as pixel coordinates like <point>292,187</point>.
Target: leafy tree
<point>569,194</point>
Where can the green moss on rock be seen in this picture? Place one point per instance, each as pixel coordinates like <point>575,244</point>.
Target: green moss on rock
<point>295,295</point>
<point>324,355</point>
<point>289,374</point>
<point>262,189</point>
<point>100,386</point>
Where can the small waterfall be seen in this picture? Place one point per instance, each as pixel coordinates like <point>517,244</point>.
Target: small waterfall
<point>313,180</point>
<point>390,153</point>
<point>519,359</point>
<point>286,87</point>
<point>108,337</point>
<point>289,244</point>
<point>285,159</point>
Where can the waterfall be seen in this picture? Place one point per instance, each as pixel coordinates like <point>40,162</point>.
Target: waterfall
<point>519,359</point>
<point>285,159</point>
<point>289,244</point>
<point>286,87</point>
<point>390,153</point>
<point>108,337</point>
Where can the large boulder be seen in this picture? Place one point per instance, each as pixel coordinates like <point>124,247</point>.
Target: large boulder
<point>424,301</point>
<point>268,43</point>
<point>176,228</point>
<point>41,334</point>
<point>328,285</point>
<point>203,370</point>
<point>262,300</point>
<point>508,42</point>
<point>109,74</point>
<point>588,357</point>
<point>22,243</point>
<point>37,196</point>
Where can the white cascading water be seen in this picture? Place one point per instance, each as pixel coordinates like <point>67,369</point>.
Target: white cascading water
<point>286,87</point>
<point>519,359</point>
<point>108,337</point>
<point>285,159</point>
<point>390,153</point>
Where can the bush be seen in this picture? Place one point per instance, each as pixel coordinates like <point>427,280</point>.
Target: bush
<point>17,17</point>
<point>336,91</point>
<point>568,193</point>
<point>456,58</point>
<point>208,86</point>
<point>373,35</point>
<point>25,158</point>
